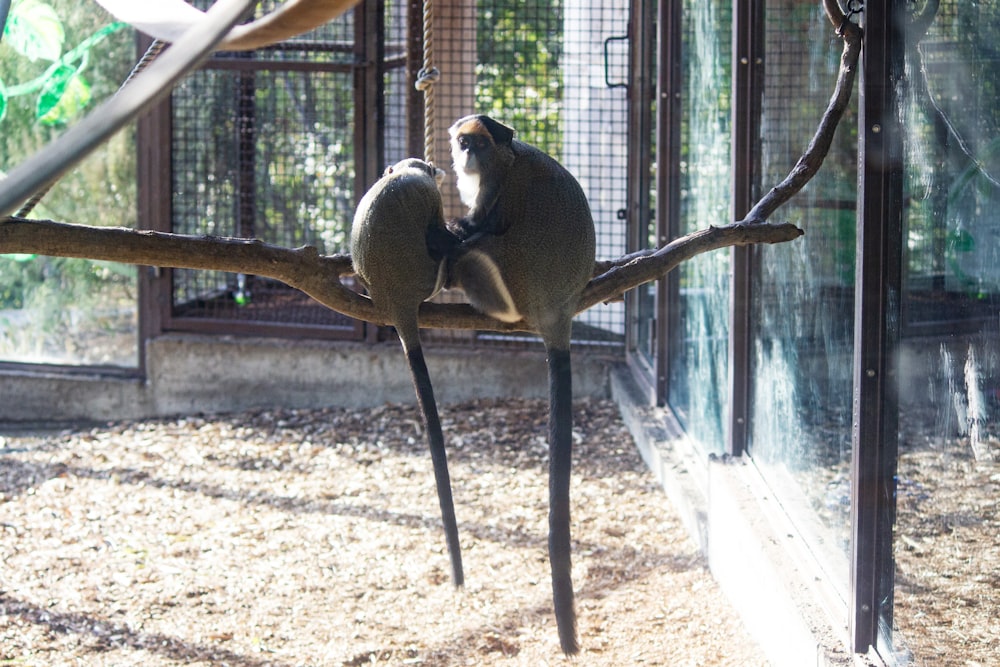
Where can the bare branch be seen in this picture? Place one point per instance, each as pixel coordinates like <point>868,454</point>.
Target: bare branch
<point>291,18</point>
<point>812,159</point>
<point>642,267</point>
<point>304,268</point>
<point>320,276</point>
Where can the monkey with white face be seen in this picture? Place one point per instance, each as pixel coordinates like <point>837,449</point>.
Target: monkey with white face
<point>527,252</point>
<point>396,246</point>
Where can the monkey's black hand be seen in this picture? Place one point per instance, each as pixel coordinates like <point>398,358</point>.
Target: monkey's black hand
<point>462,228</point>
<point>441,242</point>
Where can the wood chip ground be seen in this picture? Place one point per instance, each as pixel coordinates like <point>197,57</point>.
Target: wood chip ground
<point>283,538</point>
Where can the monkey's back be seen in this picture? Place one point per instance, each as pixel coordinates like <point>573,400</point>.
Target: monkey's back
<point>549,237</point>
<point>388,239</point>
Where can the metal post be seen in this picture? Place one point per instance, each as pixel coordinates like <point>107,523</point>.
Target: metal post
<point>748,86</point>
<point>668,152</point>
<point>876,332</point>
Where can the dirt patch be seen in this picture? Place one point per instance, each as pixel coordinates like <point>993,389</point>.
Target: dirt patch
<point>312,538</point>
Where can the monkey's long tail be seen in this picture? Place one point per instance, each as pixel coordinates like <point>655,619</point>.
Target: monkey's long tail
<point>560,464</point>
<point>435,439</point>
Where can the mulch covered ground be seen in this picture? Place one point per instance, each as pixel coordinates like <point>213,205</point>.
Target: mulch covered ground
<point>947,601</point>
<point>313,538</point>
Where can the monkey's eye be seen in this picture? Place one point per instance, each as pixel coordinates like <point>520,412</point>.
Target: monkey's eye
<point>472,142</point>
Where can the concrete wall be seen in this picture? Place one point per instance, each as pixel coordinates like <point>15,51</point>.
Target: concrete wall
<point>189,373</point>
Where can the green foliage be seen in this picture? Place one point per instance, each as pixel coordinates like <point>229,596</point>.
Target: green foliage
<point>35,31</point>
<point>518,78</point>
<point>58,58</point>
<point>63,96</point>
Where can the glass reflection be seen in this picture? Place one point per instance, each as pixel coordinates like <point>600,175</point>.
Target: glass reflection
<point>947,542</point>
<point>699,350</point>
<point>803,294</point>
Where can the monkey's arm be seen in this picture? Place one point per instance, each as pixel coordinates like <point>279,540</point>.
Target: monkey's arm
<point>472,226</point>
<point>461,228</point>
<point>441,242</point>
<point>485,217</point>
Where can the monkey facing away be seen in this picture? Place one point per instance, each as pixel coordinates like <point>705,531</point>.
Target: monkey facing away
<point>527,252</point>
<point>393,224</point>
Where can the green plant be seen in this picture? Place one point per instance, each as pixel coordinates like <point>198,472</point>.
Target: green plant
<point>35,31</point>
<point>58,58</point>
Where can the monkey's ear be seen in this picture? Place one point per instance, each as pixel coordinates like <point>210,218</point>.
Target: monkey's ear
<point>501,133</point>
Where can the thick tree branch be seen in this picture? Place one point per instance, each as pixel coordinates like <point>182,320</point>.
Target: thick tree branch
<point>642,267</point>
<point>304,268</point>
<point>320,276</point>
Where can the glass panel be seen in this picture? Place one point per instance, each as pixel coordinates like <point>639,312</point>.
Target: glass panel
<point>644,342</point>
<point>947,546</point>
<point>803,293</point>
<point>57,310</point>
<point>642,303</point>
<point>699,349</point>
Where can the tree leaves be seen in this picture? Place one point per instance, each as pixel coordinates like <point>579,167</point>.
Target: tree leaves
<point>3,100</point>
<point>65,94</point>
<point>35,31</point>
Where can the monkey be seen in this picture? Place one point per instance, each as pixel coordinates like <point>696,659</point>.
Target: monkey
<point>398,246</point>
<point>527,251</point>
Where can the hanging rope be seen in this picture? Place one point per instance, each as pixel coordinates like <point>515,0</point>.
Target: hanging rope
<point>149,56</point>
<point>426,78</point>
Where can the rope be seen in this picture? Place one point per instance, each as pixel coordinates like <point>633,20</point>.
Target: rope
<point>149,56</point>
<point>426,78</point>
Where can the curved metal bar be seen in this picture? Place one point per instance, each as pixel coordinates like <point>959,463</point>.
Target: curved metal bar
<point>146,89</point>
<point>167,20</point>
<point>292,18</point>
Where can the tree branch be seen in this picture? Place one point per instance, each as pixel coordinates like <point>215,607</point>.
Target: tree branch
<point>641,267</point>
<point>303,268</point>
<point>812,159</point>
<point>320,276</point>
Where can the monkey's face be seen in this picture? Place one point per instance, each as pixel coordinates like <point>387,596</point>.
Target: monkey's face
<point>470,151</point>
<point>481,152</point>
<point>475,141</point>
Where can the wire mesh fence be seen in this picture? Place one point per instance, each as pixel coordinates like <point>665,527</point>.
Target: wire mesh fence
<point>265,144</point>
